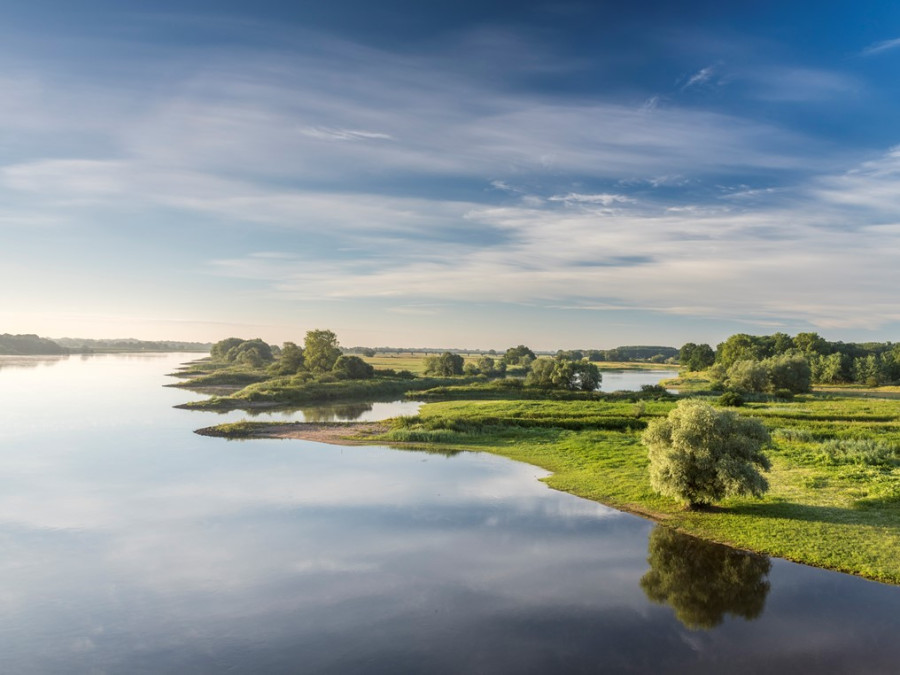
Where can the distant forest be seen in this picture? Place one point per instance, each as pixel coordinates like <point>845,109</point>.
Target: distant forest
<point>33,345</point>
<point>626,353</point>
<point>20,345</point>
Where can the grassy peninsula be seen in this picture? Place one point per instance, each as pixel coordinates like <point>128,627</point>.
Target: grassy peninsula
<point>834,497</point>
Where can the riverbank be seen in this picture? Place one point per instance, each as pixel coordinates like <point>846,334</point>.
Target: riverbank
<point>834,500</point>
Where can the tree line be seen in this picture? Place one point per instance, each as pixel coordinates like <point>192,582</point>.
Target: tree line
<point>319,357</point>
<point>779,361</point>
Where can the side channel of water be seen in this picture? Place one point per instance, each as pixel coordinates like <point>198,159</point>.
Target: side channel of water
<point>132,545</point>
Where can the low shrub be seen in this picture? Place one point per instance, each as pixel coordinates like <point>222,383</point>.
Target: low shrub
<point>858,451</point>
<point>731,399</point>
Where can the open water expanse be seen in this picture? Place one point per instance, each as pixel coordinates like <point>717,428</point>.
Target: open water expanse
<point>132,545</point>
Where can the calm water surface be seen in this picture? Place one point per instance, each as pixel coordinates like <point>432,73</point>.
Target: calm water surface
<point>131,545</point>
<point>633,380</point>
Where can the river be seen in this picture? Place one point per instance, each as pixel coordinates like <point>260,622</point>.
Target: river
<point>132,545</point>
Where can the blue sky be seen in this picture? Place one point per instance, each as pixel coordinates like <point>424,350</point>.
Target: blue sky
<point>471,174</point>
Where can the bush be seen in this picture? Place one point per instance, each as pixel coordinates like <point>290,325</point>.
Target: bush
<point>445,365</point>
<point>352,368</point>
<point>731,399</point>
<point>858,451</point>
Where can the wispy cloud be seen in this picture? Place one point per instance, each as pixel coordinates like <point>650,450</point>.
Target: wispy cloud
<point>723,262</point>
<point>604,199</point>
<point>701,77</point>
<point>344,134</point>
<point>879,47</point>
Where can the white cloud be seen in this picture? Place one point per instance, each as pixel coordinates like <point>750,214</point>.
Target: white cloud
<point>702,76</point>
<point>604,199</point>
<point>784,257</point>
<point>344,134</point>
<point>883,46</point>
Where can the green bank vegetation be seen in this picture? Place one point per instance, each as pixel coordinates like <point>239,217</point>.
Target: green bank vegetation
<point>834,479</point>
<point>834,483</point>
<point>252,374</point>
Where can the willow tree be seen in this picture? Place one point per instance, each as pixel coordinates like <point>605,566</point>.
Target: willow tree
<point>699,454</point>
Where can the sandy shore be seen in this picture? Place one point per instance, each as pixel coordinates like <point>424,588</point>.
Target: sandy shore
<point>336,433</point>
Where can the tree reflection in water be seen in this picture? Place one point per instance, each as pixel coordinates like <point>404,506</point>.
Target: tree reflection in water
<point>704,581</point>
<point>336,411</point>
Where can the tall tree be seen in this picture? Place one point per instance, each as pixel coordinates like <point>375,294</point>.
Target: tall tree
<point>321,350</point>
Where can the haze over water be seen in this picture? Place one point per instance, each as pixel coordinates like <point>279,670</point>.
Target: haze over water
<point>133,545</point>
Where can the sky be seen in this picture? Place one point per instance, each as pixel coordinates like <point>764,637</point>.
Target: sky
<point>450,173</point>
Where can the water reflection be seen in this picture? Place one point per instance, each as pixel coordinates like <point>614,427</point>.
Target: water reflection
<point>633,380</point>
<point>359,411</point>
<point>702,581</point>
<point>30,361</point>
<point>338,411</point>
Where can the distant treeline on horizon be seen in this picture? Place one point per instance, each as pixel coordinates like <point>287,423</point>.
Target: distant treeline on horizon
<point>625,353</point>
<point>34,345</point>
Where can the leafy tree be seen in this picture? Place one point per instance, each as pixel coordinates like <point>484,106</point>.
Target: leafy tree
<point>562,373</point>
<point>488,366</point>
<point>222,347</point>
<point>829,369</point>
<point>748,375</point>
<point>871,370</point>
<point>739,347</point>
<point>445,365</point>
<point>811,343</point>
<point>518,356</point>
<point>789,372</point>
<point>290,362</point>
<point>782,343</point>
<point>247,352</point>
<point>353,368</point>
<point>703,581</point>
<point>368,352</point>
<point>587,376</point>
<point>700,455</point>
<point>696,357</point>
<point>541,374</point>
<point>250,356</point>
<point>321,350</point>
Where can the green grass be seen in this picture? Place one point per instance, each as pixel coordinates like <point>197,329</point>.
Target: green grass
<point>834,499</point>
